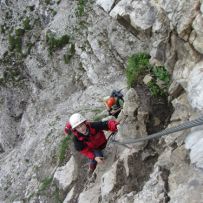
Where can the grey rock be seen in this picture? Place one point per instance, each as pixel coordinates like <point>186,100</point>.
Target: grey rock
<point>66,175</point>
<point>197,26</point>
<point>195,86</point>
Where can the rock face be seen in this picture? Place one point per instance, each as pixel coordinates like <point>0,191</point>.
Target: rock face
<point>193,142</point>
<point>195,84</point>
<point>61,57</point>
<point>65,175</point>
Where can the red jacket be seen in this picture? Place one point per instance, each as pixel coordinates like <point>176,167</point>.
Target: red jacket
<point>96,138</point>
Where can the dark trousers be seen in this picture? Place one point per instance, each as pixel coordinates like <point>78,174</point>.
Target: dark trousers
<point>93,163</point>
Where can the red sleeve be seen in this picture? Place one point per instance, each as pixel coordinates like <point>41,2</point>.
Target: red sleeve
<point>112,125</point>
<point>88,153</point>
<point>67,129</point>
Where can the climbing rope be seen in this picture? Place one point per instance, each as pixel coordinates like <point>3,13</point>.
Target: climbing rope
<point>186,125</point>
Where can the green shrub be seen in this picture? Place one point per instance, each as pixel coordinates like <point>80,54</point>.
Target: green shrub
<point>47,1</point>
<point>81,8</point>
<point>155,89</point>
<point>161,73</point>
<point>45,184</point>
<point>137,64</point>
<point>26,24</point>
<point>3,30</point>
<point>54,43</point>
<point>63,148</point>
<point>15,43</point>
<point>20,32</point>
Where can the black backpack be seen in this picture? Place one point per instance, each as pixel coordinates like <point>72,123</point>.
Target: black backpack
<point>118,94</point>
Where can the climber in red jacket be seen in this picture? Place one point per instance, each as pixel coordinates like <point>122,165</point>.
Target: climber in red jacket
<point>89,138</point>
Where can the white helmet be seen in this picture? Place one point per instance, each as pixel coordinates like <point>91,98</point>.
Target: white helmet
<point>76,119</point>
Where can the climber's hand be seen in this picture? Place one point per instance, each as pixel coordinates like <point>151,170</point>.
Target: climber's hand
<point>99,160</point>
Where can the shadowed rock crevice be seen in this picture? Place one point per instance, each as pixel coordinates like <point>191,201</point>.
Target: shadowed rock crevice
<point>159,109</point>
<point>140,167</point>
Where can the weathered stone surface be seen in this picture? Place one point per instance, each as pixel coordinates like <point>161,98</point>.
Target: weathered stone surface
<point>181,20</point>
<point>109,181</point>
<point>155,189</point>
<point>33,115</point>
<point>131,103</point>
<point>184,178</point>
<point>181,114</point>
<point>195,86</point>
<point>187,58</point>
<point>198,27</point>
<point>194,142</point>
<point>65,175</point>
<point>91,195</point>
<point>64,20</point>
<point>138,14</point>
<point>69,196</point>
<point>175,89</point>
<point>106,5</point>
<point>147,79</point>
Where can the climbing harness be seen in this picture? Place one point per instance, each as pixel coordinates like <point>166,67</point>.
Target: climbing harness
<point>186,125</point>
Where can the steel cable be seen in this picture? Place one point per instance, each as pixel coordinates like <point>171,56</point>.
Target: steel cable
<point>186,125</point>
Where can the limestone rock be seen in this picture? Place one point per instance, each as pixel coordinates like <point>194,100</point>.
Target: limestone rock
<point>184,178</point>
<point>195,86</point>
<point>65,175</point>
<point>69,196</point>
<point>131,103</point>
<point>175,89</point>
<point>91,195</point>
<point>147,79</point>
<point>198,27</point>
<point>155,189</point>
<point>194,142</point>
<point>182,19</point>
<point>108,181</point>
<point>137,14</point>
<point>106,5</point>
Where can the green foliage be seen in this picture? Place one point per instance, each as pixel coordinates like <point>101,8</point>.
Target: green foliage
<point>56,195</point>
<point>20,32</point>
<point>137,64</point>
<point>47,1</point>
<point>3,29</point>
<point>70,53</point>
<point>26,24</point>
<point>45,184</point>
<point>161,73</point>
<point>15,43</point>
<point>49,189</point>
<point>81,8</point>
<point>155,89</point>
<point>63,148</point>
<point>54,43</point>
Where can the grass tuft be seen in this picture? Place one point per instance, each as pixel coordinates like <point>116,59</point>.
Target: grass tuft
<point>137,65</point>
<point>63,148</point>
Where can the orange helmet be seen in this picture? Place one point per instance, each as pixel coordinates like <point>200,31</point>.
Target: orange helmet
<point>110,102</point>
